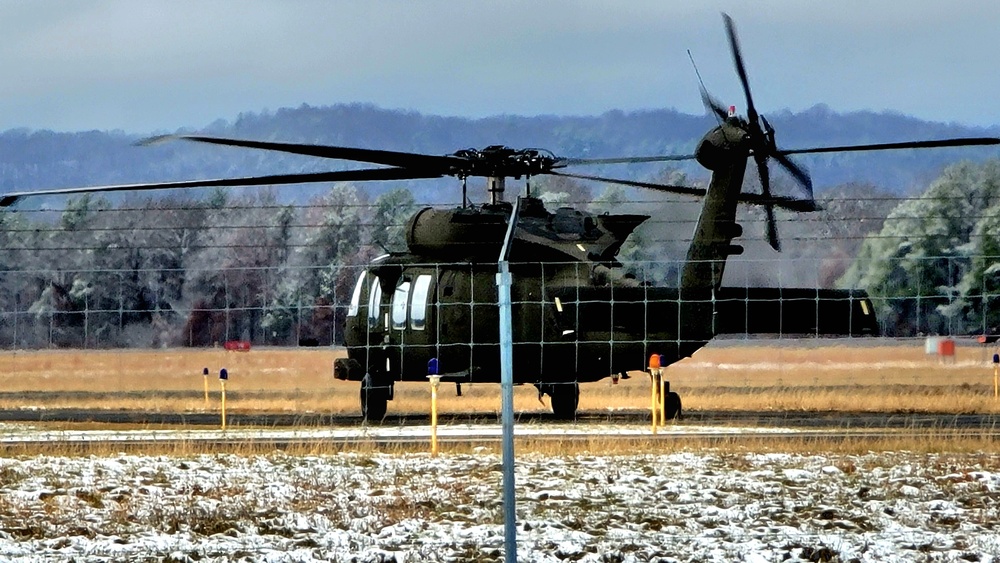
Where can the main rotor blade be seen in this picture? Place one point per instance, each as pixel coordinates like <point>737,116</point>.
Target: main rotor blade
<point>337,176</point>
<point>801,205</point>
<point>373,156</point>
<point>684,190</point>
<point>734,45</point>
<point>956,142</point>
<point>622,160</point>
<point>796,171</point>
<point>791,204</point>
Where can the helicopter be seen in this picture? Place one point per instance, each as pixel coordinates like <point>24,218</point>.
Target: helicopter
<point>578,315</point>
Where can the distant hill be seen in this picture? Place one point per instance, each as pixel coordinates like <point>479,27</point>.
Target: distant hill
<point>41,159</point>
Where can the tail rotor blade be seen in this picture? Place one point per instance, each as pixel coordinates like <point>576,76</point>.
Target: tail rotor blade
<point>765,189</point>
<point>796,171</point>
<point>764,147</point>
<point>734,45</point>
<point>772,229</point>
<point>713,106</point>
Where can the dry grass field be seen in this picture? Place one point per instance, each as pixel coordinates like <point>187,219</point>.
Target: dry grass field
<point>754,376</point>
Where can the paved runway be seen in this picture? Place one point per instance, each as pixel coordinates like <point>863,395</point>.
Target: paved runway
<point>32,427</point>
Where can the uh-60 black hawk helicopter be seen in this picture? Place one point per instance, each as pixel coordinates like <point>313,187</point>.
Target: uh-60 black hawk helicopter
<point>577,317</point>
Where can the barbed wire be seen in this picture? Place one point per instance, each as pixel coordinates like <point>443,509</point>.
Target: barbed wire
<point>319,204</point>
<point>653,220</point>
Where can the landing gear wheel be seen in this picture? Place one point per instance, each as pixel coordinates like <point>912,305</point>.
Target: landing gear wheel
<point>374,399</point>
<point>565,399</point>
<point>672,406</point>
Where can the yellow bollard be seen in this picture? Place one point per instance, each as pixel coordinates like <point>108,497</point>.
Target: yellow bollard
<point>204,374</point>
<point>654,387</point>
<point>663,399</point>
<point>223,376</point>
<point>996,365</point>
<point>435,382</point>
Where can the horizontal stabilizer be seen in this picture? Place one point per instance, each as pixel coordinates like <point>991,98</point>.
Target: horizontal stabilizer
<point>816,312</point>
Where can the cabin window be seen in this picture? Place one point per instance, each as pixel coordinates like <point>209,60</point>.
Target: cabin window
<point>374,299</point>
<point>399,301</point>
<point>352,311</point>
<point>418,308</point>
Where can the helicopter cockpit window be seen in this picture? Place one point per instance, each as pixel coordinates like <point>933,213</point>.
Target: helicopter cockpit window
<point>399,299</point>
<point>374,299</point>
<point>356,297</point>
<point>418,308</point>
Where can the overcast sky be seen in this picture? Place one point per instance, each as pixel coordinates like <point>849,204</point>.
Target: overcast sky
<point>145,66</point>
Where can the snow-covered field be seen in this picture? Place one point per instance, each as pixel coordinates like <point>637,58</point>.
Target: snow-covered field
<point>379,507</point>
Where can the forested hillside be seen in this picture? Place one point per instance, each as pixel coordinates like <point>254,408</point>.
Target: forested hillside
<point>276,265</point>
<point>39,159</point>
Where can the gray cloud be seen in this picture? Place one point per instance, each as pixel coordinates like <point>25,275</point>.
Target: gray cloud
<point>143,66</point>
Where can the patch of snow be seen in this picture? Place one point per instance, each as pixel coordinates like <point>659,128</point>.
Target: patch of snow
<point>893,507</point>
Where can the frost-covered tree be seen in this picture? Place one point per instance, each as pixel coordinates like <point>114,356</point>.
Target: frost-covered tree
<point>390,212</point>
<point>935,254</point>
<point>311,294</point>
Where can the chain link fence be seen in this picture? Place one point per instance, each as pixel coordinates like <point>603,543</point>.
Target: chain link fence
<point>150,308</point>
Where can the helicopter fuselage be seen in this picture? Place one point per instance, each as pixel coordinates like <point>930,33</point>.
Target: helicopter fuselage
<point>570,325</point>
<point>577,316</point>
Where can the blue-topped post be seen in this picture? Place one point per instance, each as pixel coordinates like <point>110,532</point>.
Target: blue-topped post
<point>204,375</point>
<point>507,390</point>
<point>223,377</point>
<point>435,379</point>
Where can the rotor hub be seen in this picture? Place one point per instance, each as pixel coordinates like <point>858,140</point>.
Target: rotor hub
<point>505,162</point>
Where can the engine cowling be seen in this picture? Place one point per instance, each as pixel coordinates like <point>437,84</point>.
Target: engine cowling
<point>456,233</point>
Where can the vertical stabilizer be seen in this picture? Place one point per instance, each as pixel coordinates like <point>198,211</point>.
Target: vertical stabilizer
<point>724,151</point>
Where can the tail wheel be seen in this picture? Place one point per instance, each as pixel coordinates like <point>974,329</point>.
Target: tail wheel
<point>374,399</point>
<point>672,406</point>
<point>565,399</point>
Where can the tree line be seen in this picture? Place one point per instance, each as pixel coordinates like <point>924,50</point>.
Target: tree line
<point>185,272</point>
<point>230,265</point>
<point>934,266</point>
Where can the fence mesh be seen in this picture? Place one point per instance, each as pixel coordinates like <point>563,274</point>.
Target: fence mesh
<point>96,308</point>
